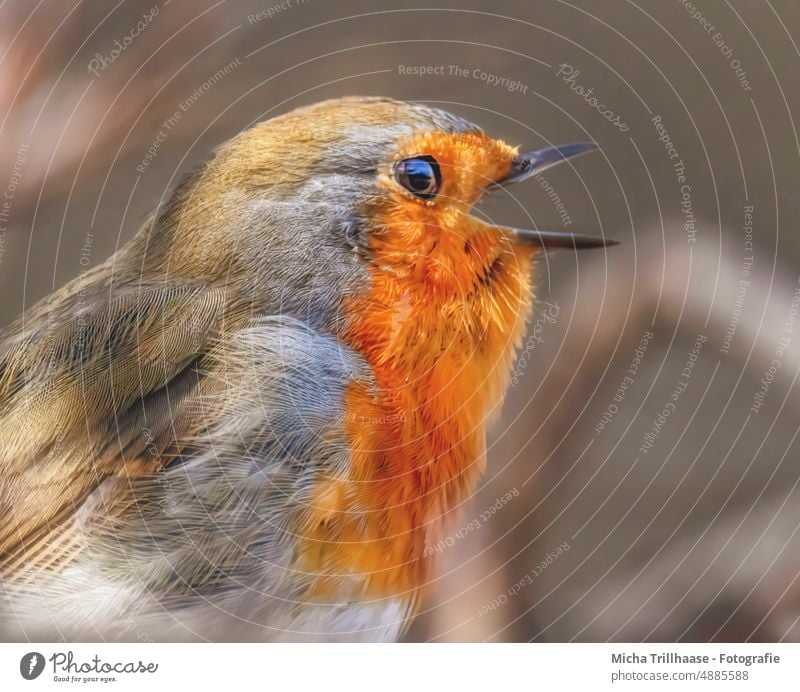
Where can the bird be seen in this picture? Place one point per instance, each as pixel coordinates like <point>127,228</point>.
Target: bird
<point>250,422</point>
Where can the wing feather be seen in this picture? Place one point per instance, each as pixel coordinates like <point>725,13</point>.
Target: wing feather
<point>75,397</point>
<point>201,545</point>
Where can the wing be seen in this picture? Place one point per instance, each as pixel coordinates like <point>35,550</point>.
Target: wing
<point>73,391</point>
<point>178,464</point>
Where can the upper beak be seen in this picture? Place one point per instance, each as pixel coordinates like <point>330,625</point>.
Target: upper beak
<point>529,164</point>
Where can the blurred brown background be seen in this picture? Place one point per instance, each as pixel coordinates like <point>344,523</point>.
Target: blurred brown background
<point>582,531</point>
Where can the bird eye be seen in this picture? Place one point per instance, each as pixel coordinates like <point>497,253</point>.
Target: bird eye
<point>420,175</point>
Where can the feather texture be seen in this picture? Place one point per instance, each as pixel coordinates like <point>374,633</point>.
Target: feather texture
<point>250,422</point>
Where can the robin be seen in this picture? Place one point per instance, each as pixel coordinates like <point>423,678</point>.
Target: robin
<point>251,421</point>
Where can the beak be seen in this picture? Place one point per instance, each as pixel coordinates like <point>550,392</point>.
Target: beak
<point>530,163</point>
<point>559,240</point>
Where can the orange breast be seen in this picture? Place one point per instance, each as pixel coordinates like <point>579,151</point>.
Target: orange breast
<point>439,327</point>
<point>417,442</point>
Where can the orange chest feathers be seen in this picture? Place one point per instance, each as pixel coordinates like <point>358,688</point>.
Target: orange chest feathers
<point>441,359</point>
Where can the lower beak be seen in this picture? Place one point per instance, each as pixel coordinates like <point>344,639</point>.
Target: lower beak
<point>559,240</point>
<point>531,163</point>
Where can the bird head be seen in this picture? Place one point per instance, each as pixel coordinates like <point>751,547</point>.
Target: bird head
<point>356,216</point>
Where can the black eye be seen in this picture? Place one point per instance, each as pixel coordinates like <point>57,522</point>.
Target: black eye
<point>420,175</point>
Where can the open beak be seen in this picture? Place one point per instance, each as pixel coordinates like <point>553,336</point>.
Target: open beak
<point>530,163</point>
